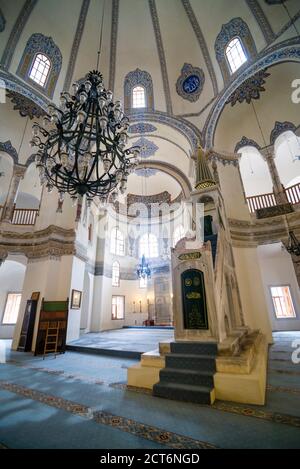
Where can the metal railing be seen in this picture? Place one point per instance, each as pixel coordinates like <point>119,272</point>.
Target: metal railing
<point>24,216</point>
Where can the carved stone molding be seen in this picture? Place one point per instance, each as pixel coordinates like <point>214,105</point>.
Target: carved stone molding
<point>52,242</point>
<point>265,231</point>
<point>25,106</point>
<point>224,158</point>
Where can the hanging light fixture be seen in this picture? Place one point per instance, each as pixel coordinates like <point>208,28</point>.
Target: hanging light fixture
<point>82,144</point>
<point>143,270</point>
<point>293,245</point>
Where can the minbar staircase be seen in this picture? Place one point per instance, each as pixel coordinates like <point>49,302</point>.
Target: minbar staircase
<point>189,373</point>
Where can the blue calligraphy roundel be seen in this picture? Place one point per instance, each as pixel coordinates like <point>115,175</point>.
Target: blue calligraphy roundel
<point>191,84</point>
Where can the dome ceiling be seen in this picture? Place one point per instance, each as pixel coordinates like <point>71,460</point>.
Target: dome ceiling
<point>174,45</point>
<point>174,41</point>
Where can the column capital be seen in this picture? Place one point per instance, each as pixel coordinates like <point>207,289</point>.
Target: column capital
<point>19,170</point>
<point>268,153</point>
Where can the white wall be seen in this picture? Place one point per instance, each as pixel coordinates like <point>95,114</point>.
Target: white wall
<point>77,282</point>
<point>11,280</point>
<point>277,269</point>
<point>251,290</point>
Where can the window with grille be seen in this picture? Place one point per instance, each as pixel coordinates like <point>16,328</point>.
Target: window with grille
<point>118,307</point>
<point>116,274</point>
<point>282,302</point>
<point>235,54</point>
<point>117,245</point>
<point>40,69</point>
<point>12,307</point>
<point>138,97</point>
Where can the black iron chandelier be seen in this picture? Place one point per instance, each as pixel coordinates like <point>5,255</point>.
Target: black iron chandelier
<point>143,270</point>
<point>293,246</point>
<point>84,153</point>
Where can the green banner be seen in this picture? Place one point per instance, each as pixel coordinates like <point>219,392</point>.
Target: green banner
<point>194,299</point>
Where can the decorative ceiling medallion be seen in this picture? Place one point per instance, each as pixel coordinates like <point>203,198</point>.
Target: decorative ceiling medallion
<point>249,89</point>
<point>25,106</point>
<point>142,128</point>
<point>147,148</point>
<point>190,83</point>
<point>146,172</point>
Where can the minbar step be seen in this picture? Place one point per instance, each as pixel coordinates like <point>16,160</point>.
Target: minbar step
<point>193,377</point>
<point>195,348</point>
<point>185,361</point>
<point>184,392</point>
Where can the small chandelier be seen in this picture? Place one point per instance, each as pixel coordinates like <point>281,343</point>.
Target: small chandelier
<point>82,146</point>
<point>143,270</point>
<point>293,246</point>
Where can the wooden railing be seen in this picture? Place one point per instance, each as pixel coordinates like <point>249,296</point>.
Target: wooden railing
<point>293,194</point>
<point>1,211</point>
<point>261,201</point>
<point>268,200</point>
<point>24,216</point>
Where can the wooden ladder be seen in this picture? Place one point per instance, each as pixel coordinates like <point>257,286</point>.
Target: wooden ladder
<point>52,333</point>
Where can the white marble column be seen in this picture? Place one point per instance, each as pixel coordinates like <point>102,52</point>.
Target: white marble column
<point>18,174</point>
<point>278,188</point>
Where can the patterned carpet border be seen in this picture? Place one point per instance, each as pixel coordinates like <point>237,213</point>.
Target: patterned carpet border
<point>148,432</point>
<point>275,417</point>
<point>172,440</point>
<point>284,372</point>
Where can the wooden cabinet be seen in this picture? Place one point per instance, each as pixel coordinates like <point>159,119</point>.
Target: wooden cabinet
<point>25,342</point>
<point>52,315</point>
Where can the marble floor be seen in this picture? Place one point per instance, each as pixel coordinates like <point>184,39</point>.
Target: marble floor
<point>128,342</point>
<point>81,401</point>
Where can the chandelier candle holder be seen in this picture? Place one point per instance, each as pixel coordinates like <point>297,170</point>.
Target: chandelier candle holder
<point>82,144</point>
<point>293,245</point>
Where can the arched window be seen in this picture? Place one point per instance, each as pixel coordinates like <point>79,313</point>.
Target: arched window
<point>148,245</point>
<point>117,245</point>
<point>40,63</point>
<point>40,69</point>
<point>234,46</point>
<point>138,91</point>
<point>138,97</point>
<point>178,234</point>
<point>235,54</point>
<point>116,274</point>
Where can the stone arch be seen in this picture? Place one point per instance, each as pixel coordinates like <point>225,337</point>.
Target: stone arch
<point>172,171</point>
<point>38,43</point>
<point>7,147</point>
<point>286,51</point>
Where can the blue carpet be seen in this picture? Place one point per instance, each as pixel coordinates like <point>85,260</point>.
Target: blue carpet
<point>74,378</point>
